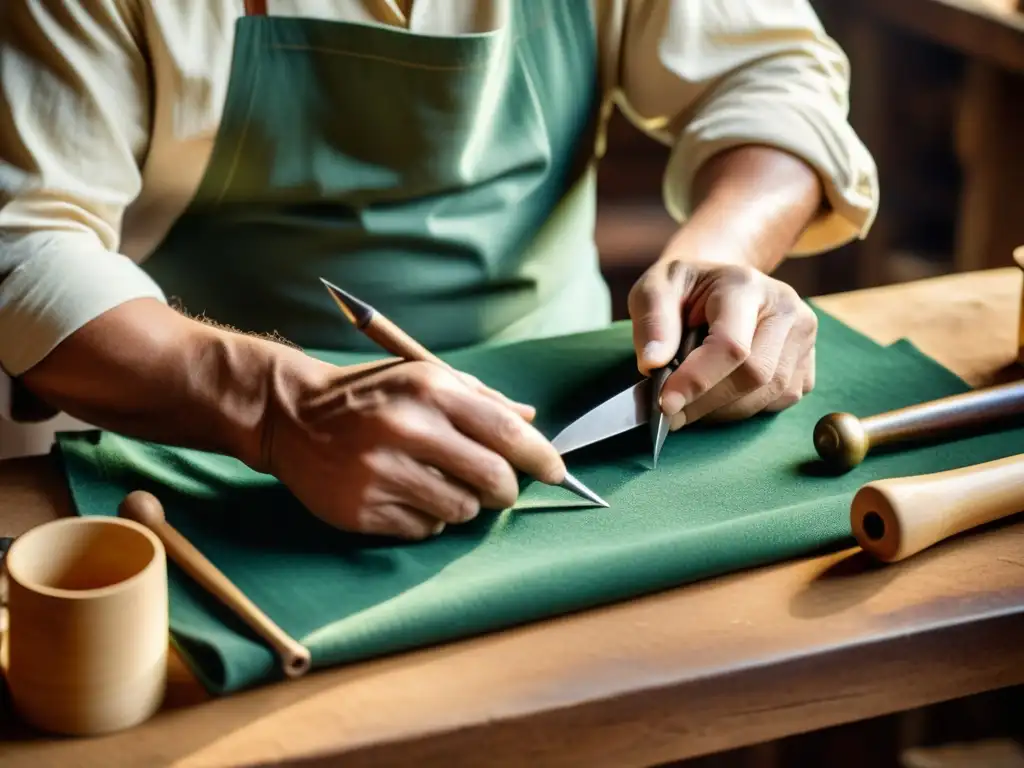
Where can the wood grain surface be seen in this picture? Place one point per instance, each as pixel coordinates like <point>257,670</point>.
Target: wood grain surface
<point>718,664</point>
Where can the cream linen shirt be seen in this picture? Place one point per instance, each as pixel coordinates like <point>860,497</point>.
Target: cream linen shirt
<point>109,109</point>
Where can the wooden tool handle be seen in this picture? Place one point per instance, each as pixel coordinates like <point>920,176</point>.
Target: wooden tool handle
<point>843,440</point>
<point>144,508</point>
<point>895,518</point>
<point>394,340</point>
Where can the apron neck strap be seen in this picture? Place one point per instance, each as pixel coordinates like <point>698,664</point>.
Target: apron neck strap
<point>255,7</point>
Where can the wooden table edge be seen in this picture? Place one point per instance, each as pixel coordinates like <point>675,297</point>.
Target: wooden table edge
<point>983,646</point>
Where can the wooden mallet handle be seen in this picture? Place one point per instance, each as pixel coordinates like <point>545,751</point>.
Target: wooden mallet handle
<point>895,518</point>
<point>843,440</point>
<point>144,508</point>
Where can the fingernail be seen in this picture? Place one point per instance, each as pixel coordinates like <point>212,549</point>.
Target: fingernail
<point>470,510</point>
<point>672,403</point>
<point>438,527</point>
<point>655,351</point>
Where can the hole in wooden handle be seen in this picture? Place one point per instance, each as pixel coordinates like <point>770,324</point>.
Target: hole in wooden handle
<point>874,526</point>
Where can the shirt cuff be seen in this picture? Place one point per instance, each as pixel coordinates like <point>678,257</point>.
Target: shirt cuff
<point>828,144</point>
<point>60,282</point>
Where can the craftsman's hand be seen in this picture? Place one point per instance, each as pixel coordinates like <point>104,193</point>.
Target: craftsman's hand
<point>753,204</point>
<point>400,449</point>
<point>759,352</point>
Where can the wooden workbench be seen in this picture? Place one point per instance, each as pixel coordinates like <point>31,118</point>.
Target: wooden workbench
<point>714,665</point>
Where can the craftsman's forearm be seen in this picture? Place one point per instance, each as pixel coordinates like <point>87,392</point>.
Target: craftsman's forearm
<point>145,370</point>
<point>753,203</point>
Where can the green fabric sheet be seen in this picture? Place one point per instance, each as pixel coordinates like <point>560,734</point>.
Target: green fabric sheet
<point>723,498</point>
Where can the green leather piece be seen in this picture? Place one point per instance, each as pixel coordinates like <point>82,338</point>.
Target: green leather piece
<point>722,499</point>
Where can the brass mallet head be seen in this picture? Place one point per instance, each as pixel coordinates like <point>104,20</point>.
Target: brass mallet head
<point>841,440</point>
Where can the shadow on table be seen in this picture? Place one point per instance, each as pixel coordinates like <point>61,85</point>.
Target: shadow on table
<point>849,581</point>
<point>857,577</point>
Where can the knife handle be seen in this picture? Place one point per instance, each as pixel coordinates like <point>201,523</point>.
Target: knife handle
<point>692,339</point>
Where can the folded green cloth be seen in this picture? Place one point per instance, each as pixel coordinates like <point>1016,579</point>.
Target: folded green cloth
<point>722,499</point>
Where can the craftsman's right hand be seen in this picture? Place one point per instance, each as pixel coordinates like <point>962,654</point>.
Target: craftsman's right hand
<point>400,449</point>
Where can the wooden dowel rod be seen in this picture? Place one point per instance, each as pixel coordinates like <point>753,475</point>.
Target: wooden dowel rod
<point>146,509</point>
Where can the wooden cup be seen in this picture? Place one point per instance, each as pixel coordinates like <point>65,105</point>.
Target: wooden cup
<point>88,625</point>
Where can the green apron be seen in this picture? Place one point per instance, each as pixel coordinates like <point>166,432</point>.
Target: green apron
<point>446,180</point>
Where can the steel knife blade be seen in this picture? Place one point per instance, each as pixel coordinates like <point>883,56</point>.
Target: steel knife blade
<point>620,413</point>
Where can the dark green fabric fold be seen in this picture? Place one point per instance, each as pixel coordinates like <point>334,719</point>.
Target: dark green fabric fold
<point>722,499</point>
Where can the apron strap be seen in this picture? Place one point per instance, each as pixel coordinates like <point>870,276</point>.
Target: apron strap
<point>255,7</point>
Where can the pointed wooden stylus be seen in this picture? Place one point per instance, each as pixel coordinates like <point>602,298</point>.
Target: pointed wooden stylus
<point>397,342</point>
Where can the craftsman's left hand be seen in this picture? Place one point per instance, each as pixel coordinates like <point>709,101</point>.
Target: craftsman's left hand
<point>759,352</point>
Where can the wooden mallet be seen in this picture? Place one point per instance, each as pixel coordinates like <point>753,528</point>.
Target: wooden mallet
<point>842,440</point>
<point>895,518</point>
<point>144,508</point>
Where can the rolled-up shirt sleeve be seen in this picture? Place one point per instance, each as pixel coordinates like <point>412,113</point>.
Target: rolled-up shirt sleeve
<point>703,77</point>
<point>74,128</point>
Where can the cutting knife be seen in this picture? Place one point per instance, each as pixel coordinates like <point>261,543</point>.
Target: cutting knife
<point>637,405</point>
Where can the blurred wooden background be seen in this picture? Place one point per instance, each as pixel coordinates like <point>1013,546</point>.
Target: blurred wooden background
<point>937,95</point>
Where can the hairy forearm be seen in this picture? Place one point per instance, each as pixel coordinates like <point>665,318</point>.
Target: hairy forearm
<point>145,370</point>
<point>752,204</point>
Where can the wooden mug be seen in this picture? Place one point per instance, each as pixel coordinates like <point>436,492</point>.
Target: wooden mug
<point>88,625</point>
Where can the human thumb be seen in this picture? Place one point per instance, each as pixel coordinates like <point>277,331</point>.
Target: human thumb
<point>655,306</point>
